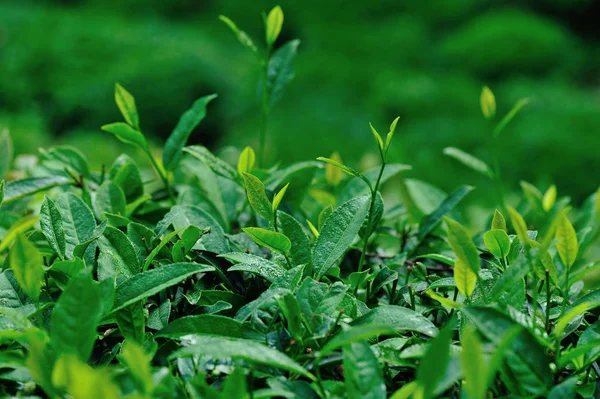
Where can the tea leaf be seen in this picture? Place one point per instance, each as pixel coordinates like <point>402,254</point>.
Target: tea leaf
<point>138,364</point>
<point>26,263</point>
<point>243,349</point>
<point>333,173</point>
<point>125,174</point>
<point>291,228</point>
<point>240,34</point>
<point>278,197</point>
<point>566,245</point>
<point>519,225</point>
<point>362,374</point>
<point>462,245</point>
<point>127,134</point>
<point>75,316</point>
<point>208,324</point>
<point>509,117</point>
<point>434,363</point>
<point>465,278</point>
<point>52,227</point>
<point>355,334</point>
<point>126,104</point>
<point>6,152</point>
<point>488,103</point>
<point>265,268</point>
<point>549,198</point>
<point>257,197</point>
<point>402,319</point>
<point>189,237</point>
<point>344,168</point>
<point>498,222</point>
<point>131,321</point>
<point>497,242</point>
<point>179,137</point>
<point>433,219</point>
<point>474,365</point>
<point>339,231</point>
<point>117,255</point>
<point>1,192</point>
<point>390,134</point>
<point>273,240</point>
<point>273,25</point>
<point>110,199</point>
<point>470,161</point>
<point>246,160</point>
<point>378,138</point>
<point>148,283</point>
<point>17,189</point>
<point>280,70</point>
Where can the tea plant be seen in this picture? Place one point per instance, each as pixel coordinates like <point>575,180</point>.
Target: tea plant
<point>236,281</point>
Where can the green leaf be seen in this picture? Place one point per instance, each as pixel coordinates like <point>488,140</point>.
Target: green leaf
<point>265,268</point>
<point>217,165</point>
<point>153,281</point>
<point>257,197</point>
<point>435,362</point>
<point>125,174</point>
<point>138,364</point>
<point>26,262</point>
<point>179,137</point>
<point>1,192</point>
<point>246,160</point>
<point>487,102</point>
<point>430,221</point>
<point>243,349</point>
<point>236,386</point>
<point>525,359</point>
<point>63,271</point>
<point>6,152</point>
<point>19,227</point>
<point>64,157</point>
<point>355,334</point>
<point>566,244</point>
<point>509,117</point>
<point>549,198</point>
<point>131,321</point>
<point>126,104</point>
<point>325,213</point>
<point>110,199</point>
<point>462,245</point>
<point>159,317</point>
<point>52,227</point>
<point>333,174</point>
<point>402,319</point>
<point>339,231</point>
<point>469,160</point>
<point>75,317</point>
<point>378,138</point>
<point>497,242</point>
<point>519,225</point>
<point>465,278</point>
<point>183,216</point>
<point>498,221</point>
<point>280,70</point>
<point>13,296</point>
<point>288,304</point>
<point>189,237</point>
<point>299,176</point>
<point>127,134</point>
<point>208,324</point>
<point>273,240</point>
<point>344,168</point>
<point>390,134</point>
<point>300,251</point>
<point>117,255</point>
<point>278,197</point>
<point>362,374</point>
<point>273,25</point>
<point>240,34</point>
<point>572,313</point>
<point>406,391</point>
<point>474,364</point>
<point>80,380</point>
<point>356,188</point>
<point>18,189</point>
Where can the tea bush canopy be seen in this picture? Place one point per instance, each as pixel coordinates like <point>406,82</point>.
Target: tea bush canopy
<point>180,271</point>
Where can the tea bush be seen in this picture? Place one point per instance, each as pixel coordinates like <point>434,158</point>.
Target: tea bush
<point>215,280</point>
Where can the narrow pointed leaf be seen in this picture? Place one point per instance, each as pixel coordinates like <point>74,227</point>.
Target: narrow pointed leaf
<point>26,262</point>
<point>273,240</point>
<point>126,104</point>
<point>127,134</point>
<point>469,160</point>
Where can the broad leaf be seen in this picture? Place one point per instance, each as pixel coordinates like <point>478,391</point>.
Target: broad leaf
<point>566,245</point>
<point>402,319</point>
<point>18,189</point>
<point>126,104</point>
<point>271,239</point>
<point>265,268</point>
<point>300,250</point>
<point>110,199</point>
<point>208,324</point>
<point>127,134</point>
<point>280,70</point>
<point>465,278</point>
<point>462,245</point>
<point>52,227</point>
<point>362,373</point>
<point>78,221</point>
<point>273,25</point>
<point>257,197</point>
<point>497,242</point>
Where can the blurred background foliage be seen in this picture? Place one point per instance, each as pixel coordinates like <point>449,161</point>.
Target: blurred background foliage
<point>359,61</point>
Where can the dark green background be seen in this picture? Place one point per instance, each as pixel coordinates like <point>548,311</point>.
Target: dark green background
<point>359,61</point>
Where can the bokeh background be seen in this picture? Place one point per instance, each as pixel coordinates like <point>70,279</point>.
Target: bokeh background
<point>359,61</point>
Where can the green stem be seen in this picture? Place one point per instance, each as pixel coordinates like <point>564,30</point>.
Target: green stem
<point>370,220</point>
<point>162,176</point>
<point>548,299</point>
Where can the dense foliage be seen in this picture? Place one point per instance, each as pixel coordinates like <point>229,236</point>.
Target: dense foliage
<point>220,281</point>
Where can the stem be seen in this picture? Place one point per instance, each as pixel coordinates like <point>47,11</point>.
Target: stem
<point>370,220</point>
<point>565,293</point>
<point>162,176</point>
<point>264,110</point>
<point>548,301</point>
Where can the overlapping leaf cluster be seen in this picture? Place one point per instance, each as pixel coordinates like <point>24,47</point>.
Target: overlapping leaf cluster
<point>235,281</point>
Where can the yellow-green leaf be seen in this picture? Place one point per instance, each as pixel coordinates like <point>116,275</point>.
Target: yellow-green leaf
<point>488,103</point>
<point>333,174</point>
<point>462,245</point>
<point>246,160</point>
<point>313,229</point>
<point>257,197</point>
<point>498,222</point>
<point>509,117</point>
<point>273,24</point>
<point>26,262</point>
<point>388,139</point>
<point>549,198</point>
<point>377,137</point>
<point>566,245</point>
<point>519,225</point>
<point>126,104</point>
<point>83,381</point>
<point>497,242</point>
<point>138,364</point>
<point>465,278</point>
<point>278,197</point>
<point>240,34</point>
<point>270,239</point>
<point>127,134</point>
